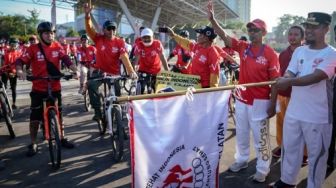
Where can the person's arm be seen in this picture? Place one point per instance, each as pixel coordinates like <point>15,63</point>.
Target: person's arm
<point>88,23</point>
<point>164,61</point>
<point>184,42</point>
<point>218,29</point>
<point>129,69</point>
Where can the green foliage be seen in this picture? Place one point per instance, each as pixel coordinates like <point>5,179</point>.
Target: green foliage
<point>72,33</point>
<point>286,21</point>
<point>18,25</point>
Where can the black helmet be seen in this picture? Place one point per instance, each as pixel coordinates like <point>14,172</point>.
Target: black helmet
<point>45,27</point>
<point>184,33</point>
<point>84,36</point>
<point>13,41</point>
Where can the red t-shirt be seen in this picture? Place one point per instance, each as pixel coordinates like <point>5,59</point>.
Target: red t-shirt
<point>149,59</point>
<point>10,58</point>
<point>205,62</point>
<point>229,51</point>
<point>256,69</point>
<point>87,55</point>
<point>66,48</point>
<point>108,53</point>
<point>284,59</point>
<point>34,57</point>
<point>222,53</point>
<point>180,63</point>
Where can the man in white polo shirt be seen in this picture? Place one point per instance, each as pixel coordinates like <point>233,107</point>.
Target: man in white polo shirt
<point>308,118</point>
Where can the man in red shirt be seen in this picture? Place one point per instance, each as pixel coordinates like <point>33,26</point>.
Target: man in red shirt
<point>86,57</point>
<point>259,63</point>
<point>149,56</point>
<point>182,64</point>
<point>9,73</point>
<point>295,38</point>
<point>33,56</point>
<point>206,60</point>
<point>110,50</point>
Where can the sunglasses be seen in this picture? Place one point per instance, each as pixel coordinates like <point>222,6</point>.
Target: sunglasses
<point>110,28</point>
<point>254,30</point>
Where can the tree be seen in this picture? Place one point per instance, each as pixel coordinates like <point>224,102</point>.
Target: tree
<point>286,21</point>
<point>71,33</point>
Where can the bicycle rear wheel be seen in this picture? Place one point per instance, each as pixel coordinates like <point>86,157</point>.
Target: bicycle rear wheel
<point>117,137</point>
<point>54,140</point>
<point>6,115</point>
<point>87,104</point>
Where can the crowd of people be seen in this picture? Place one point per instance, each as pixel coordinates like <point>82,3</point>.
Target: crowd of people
<point>303,83</point>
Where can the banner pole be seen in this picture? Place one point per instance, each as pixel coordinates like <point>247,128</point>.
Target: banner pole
<point>203,90</point>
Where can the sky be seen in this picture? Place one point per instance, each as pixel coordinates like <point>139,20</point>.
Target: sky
<point>12,7</point>
<point>271,10</point>
<point>268,10</point>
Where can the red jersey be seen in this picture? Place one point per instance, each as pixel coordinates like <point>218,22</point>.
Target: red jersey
<point>73,49</point>
<point>34,57</point>
<point>284,59</point>
<point>149,59</point>
<point>205,62</point>
<point>222,53</point>
<point>66,48</point>
<point>10,58</point>
<point>229,51</point>
<point>258,64</point>
<point>87,54</point>
<point>108,53</point>
<point>180,63</point>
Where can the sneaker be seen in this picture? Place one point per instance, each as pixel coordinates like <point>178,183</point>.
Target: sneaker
<point>259,177</point>
<point>280,184</point>
<point>14,107</point>
<point>277,153</point>
<point>65,143</point>
<point>236,167</point>
<point>32,150</point>
<point>304,161</point>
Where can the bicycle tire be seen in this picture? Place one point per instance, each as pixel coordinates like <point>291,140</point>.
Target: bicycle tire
<point>118,134</point>
<point>138,89</point>
<point>6,115</point>
<point>101,124</point>
<point>87,104</point>
<point>54,140</point>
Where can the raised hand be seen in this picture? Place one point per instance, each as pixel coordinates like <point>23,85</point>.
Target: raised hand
<point>87,8</point>
<point>210,10</point>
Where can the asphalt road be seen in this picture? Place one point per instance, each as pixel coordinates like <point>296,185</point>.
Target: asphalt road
<point>90,163</point>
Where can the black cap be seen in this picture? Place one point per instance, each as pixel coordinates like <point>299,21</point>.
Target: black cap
<point>317,18</point>
<point>13,41</point>
<point>84,36</point>
<point>110,24</point>
<point>207,31</point>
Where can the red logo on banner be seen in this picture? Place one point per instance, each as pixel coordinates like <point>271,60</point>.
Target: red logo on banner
<point>176,177</point>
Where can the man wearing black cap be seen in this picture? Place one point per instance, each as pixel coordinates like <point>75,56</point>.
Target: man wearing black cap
<point>308,117</point>
<point>259,63</point>
<point>110,49</point>
<point>206,60</point>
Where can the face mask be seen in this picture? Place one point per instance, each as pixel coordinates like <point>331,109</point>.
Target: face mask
<point>148,43</point>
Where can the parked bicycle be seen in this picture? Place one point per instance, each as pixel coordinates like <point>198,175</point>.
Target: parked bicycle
<point>6,111</point>
<point>52,128</point>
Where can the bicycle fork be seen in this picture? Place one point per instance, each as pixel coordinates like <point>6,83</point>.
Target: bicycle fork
<point>46,119</point>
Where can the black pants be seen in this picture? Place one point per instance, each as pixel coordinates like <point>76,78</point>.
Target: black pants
<point>148,81</point>
<point>12,81</point>
<point>331,156</point>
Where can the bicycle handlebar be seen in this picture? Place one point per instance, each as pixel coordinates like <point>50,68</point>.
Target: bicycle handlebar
<point>49,78</point>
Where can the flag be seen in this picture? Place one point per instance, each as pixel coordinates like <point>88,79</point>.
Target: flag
<point>178,141</point>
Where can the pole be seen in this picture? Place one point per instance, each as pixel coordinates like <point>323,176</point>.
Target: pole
<point>204,90</point>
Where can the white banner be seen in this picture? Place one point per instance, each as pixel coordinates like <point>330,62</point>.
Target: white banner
<point>177,142</point>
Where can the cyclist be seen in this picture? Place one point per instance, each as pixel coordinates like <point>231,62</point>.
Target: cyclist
<point>43,66</point>
<point>11,55</point>
<point>86,57</point>
<point>183,57</point>
<point>109,50</point>
<point>149,56</point>
<point>206,60</point>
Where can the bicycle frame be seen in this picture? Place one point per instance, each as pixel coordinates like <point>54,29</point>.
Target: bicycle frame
<point>46,109</point>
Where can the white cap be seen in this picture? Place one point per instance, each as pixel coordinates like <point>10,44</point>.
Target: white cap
<point>146,32</point>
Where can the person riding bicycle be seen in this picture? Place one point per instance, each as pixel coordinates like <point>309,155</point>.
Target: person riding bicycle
<point>10,57</point>
<point>149,56</point>
<point>86,57</point>
<point>110,49</point>
<point>42,66</point>
<point>183,57</point>
<point>206,60</point>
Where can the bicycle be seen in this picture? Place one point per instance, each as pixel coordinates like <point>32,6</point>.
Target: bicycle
<point>145,80</point>
<point>6,110</point>
<point>52,128</point>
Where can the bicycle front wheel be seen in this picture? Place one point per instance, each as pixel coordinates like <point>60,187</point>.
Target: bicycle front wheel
<point>54,140</point>
<point>87,104</point>
<point>117,137</point>
<point>6,115</point>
